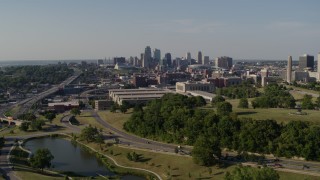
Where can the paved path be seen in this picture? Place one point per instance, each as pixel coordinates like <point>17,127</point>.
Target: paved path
<point>5,165</point>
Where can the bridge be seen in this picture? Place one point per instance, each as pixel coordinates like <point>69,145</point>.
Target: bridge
<point>11,121</point>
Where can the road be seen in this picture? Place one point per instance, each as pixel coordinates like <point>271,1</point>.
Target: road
<point>5,165</point>
<point>132,140</point>
<point>27,104</point>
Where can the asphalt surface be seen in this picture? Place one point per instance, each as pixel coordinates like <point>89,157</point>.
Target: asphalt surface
<point>132,140</point>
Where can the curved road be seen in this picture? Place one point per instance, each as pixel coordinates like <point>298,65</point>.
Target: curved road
<point>134,140</point>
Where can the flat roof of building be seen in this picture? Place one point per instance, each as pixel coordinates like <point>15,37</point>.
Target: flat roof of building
<point>143,92</point>
<point>68,103</point>
<point>193,82</point>
<point>135,90</point>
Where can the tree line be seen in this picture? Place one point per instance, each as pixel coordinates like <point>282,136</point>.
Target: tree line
<point>244,90</point>
<point>174,119</point>
<point>21,76</point>
<point>274,96</point>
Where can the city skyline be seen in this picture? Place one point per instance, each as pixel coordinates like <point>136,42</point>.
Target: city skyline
<point>47,30</point>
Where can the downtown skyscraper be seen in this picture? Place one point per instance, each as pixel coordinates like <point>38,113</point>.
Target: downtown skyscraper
<point>147,57</point>
<point>199,57</point>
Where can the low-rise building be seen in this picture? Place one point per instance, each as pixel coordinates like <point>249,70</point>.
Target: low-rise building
<point>134,96</point>
<point>63,106</point>
<point>102,104</point>
<point>194,86</point>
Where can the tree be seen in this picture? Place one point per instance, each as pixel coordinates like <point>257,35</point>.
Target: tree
<point>24,126</point>
<point>217,99</point>
<point>41,159</point>
<point>50,116</point>
<point>114,108</point>
<point>243,103</point>
<point>81,104</point>
<point>99,139</point>
<point>205,151</point>
<point>307,102</point>
<point>318,101</point>
<point>75,111</point>
<point>224,108</point>
<point>91,134</point>
<point>123,108</point>
<point>37,124</point>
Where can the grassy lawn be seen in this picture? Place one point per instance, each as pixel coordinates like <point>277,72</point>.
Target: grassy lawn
<point>166,165</point>
<point>280,115</point>
<point>23,174</point>
<point>302,89</point>
<point>86,118</point>
<point>115,119</point>
<point>170,166</point>
<point>293,176</point>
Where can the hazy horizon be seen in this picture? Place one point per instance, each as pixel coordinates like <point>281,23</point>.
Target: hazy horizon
<point>83,29</point>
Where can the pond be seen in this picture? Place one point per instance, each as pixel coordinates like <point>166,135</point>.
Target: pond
<point>72,158</point>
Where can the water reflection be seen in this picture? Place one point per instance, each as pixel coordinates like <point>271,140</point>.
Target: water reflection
<point>70,157</point>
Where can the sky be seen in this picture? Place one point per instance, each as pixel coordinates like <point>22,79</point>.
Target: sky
<point>92,29</point>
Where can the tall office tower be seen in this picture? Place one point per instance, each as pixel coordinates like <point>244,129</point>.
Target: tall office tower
<point>205,60</point>
<point>131,60</point>
<point>178,61</point>
<point>136,61</point>
<point>319,66</point>
<point>199,57</point>
<point>147,57</point>
<point>169,60</point>
<point>157,55</point>
<point>306,61</point>
<point>188,57</point>
<point>119,60</point>
<point>289,69</point>
<point>264,76</point>
<point>224,62</point>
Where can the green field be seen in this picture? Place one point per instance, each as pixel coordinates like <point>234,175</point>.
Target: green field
<point>278,114</point>
<point>170,166</point>
<point>115,119</point>
<point>86,118</point>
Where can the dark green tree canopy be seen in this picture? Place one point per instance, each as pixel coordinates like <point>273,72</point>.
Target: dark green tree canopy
<point>41,159</point>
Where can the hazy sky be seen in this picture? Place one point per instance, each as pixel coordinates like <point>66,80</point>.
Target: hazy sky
<point>89,29</point>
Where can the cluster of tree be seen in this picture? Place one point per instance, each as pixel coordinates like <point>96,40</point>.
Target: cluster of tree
<point>27,116</point>
<point>245,90</point>
<point>274,96</point>
<point>92,134</point>
<point>165,118</point>
<point>307,103</point>
<point>49,115</point>
<point>20,76</point>
<point>133,156</point>
<point>35,124</point>
<point>75,111</point>
<point>173,119</point>
<point>311,85</point>
<point>250,173</point>
<point>41,159</point>
<point>123,107</point>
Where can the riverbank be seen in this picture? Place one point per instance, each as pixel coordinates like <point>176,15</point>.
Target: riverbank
<point>108,161</point>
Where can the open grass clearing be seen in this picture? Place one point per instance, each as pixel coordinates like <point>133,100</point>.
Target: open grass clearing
<point>115,119</point>
<point>278,114</point>
<point>170,166</point>
<point>86,118</point>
